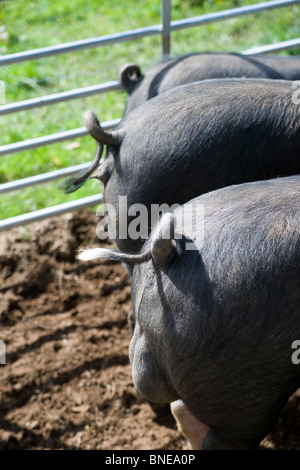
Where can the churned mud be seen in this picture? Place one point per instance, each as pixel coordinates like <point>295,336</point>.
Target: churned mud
<point>67,379</point>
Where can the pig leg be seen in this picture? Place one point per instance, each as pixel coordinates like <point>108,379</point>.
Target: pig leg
<point>195,431</point>
<point>192,429</point>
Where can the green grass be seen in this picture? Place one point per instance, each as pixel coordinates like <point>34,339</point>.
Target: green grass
<point>41,23</point>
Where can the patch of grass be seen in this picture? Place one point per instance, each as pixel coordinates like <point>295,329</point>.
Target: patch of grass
<point>41,23</point>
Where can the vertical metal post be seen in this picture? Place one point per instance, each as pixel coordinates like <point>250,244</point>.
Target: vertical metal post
<point>166,28</point>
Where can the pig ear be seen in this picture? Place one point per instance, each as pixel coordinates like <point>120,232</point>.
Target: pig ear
<point>113,138</point>
<point>162,240</point>
<point>72,184</point>
<point>129,75</point>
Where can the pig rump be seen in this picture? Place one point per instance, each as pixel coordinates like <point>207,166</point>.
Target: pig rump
<point>215,325</point>
<point>195,139</point>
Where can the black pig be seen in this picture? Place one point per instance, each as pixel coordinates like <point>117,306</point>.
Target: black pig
<point>201,137</point>
<point>202,66</point>
<point>215,323</point>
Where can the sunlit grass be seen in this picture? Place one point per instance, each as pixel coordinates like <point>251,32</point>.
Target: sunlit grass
<point>36,24</point>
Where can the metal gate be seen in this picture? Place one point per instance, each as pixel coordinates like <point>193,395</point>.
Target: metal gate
<point>164,29</point>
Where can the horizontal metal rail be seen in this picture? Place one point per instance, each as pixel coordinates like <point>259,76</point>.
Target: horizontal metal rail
<point>43,178</point>
<point>79,45</point>
<point>231,13</point>
<point>51,139</point>
<point>277,46</point>
<point>41,141</point>
<point>51,211</point>
<point>109,86</point>
<point>116,85</point>
<point>79,93</point>
<point>59,97</point>
<point>143,32</point>
<point>80,132</point>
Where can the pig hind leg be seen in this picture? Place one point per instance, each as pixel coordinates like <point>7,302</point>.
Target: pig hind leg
<point>192,429</point>
<point>199,435</point>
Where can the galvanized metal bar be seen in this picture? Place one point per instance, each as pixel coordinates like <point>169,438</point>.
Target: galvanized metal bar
<point>51,139</point>
<point>42,141</point>
<point>79,45</point>
<point>116,85</point>
<point>81,132</point>
<point>59,209</point>
<point>166,29</point>
<point>59,97</point>
<point>231,13</point>
<point>277,46</point>
<point>42,178</point>
<point>142,32</point>
<point>54,175</point>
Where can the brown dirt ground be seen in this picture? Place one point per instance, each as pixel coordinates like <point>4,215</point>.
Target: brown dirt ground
<point>67,380</point>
